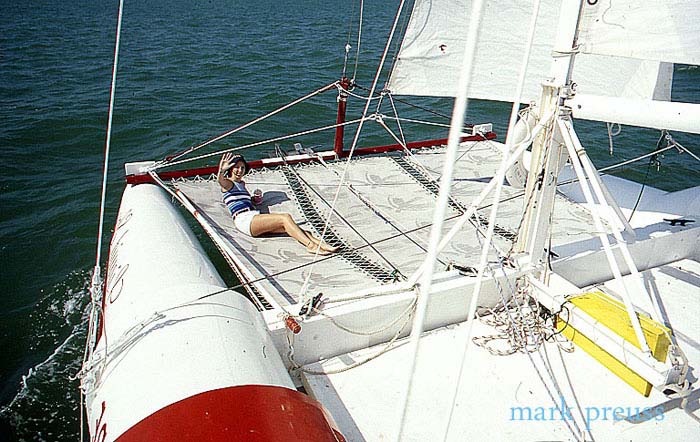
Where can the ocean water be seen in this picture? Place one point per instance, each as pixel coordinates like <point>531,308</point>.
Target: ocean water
<point>187,71</point>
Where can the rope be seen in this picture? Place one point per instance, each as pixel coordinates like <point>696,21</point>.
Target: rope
<point>613,133</point>
<point>411,120</point>
<point>96,282</point>
<point>652,159</point>
<point>398,121</point>
<point>259,143</point>
<point>410,310</point>
<point>531,332</point>
<point>460,110</point>
<point>357,136</point>
<point>347,42</point>
<point>399,41</point>
<point>359,40</point>
<point>358,96</point>
<point>170,161</point>
<point>407,103</point>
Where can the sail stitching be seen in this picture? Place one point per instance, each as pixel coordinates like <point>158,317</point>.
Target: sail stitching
<point>434,187</point>
<point>312,215</point>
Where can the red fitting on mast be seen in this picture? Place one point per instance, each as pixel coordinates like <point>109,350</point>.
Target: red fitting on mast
<point>342,104</point>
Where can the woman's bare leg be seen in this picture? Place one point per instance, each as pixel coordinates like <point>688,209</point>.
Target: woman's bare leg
<point>283,223</point>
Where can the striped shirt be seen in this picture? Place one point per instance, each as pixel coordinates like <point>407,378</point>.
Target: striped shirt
<point>237,198</point>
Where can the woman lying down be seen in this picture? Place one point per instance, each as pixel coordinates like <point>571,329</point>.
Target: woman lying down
<point>251,222</point>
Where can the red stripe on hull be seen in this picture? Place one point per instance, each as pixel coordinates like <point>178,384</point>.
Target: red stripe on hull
<point>242,413</point>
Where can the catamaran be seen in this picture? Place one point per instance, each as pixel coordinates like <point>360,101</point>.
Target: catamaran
<point>482,290</point>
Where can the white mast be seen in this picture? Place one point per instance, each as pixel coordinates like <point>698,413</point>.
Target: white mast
<point>548,155</point>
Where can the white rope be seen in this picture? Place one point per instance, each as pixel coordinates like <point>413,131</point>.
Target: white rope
<point>408,312</point>
<point>398,120</point>
<point>534,334</point>
<point>521,76</point>
<point>358,96</point>
<point>676,144</point>
<point>494,210</point>
<point>359,40</point>
<point>613,133</point>
<point>411,120</point>
<point>259,143</point>
<point>303,291</point>
<point>96,282</point>
<point>172,161</point>
<point>460,109</point>
<point>471,210</point>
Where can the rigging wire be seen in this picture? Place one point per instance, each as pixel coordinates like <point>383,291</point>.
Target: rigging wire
<point>96,282</point>
<point>460,110</point>
<point>259,143</point>
<point>398,43</point>
<point>359,41</point>
<point>347,42</point>
<point>398,121</point>
<point>170,161</point>
<point>411,120</point>
<point>408,103</point>
<point>357,135</point>
<point>652,160</point>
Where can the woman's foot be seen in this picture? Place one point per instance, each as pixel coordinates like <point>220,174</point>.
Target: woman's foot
<point>324,246</point>
<point>328,248</point>
<point>314,249</point>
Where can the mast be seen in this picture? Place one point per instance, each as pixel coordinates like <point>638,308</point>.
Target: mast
<point>549,154</point>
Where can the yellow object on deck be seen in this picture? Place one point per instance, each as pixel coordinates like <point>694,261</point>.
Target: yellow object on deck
<point>613,315</point>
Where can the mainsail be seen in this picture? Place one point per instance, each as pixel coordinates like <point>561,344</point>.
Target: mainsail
<point>431,53</point>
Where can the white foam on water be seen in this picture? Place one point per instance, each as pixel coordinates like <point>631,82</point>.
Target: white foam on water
<point>47,405</point>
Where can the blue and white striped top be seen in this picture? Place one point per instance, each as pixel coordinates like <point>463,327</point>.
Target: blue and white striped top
<point>237,198</point>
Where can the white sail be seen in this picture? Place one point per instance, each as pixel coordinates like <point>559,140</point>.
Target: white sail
<point>431,54</point>
<point>661,30</point>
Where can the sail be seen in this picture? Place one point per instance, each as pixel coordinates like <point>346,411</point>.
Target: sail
<point>661,30</point>
<point>430,56</point>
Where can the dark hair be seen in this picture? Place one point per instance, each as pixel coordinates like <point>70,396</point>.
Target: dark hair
<point>234,160</point>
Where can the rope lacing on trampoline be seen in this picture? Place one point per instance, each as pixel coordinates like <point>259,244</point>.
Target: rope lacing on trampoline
<point>434,188</point>
<point>385,217</point>
<point>312,215</point>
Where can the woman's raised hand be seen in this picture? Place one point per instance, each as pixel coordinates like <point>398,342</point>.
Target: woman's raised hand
<point>225,162</point>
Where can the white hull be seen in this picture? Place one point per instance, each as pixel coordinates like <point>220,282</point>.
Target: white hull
<point>161,343</point>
